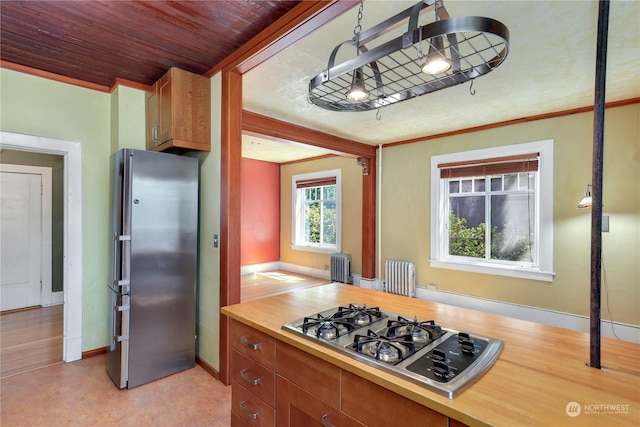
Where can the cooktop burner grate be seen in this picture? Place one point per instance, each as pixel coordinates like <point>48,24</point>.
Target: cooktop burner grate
<point>438,358</point>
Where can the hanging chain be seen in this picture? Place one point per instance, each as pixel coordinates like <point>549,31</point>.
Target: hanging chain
<point>358,27</point>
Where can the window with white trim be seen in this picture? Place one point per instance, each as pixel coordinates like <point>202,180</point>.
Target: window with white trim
<point>316,218</point>
<point>492,211</point>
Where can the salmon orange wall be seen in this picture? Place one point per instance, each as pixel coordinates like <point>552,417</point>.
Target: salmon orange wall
<point>260,217</point>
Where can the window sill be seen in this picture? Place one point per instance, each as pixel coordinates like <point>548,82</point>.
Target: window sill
<point>498,270</point>
<point>319,249</point>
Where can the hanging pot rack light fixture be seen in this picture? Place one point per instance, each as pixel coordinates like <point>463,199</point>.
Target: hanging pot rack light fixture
<point>459,49</point>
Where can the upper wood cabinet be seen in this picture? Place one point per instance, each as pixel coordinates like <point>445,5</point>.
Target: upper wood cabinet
<point>178,110</point>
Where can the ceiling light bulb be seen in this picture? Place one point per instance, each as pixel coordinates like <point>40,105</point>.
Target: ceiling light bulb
<point>358,91</point>
<point>436,62</point>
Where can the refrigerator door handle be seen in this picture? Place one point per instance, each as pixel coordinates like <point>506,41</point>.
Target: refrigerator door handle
<point>119,281</point>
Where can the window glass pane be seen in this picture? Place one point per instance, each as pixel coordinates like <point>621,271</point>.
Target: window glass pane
<point>467,185</point>
<point>312,223</point>
<point>478,185</point>
<point>329,192</point>
<point>454,186</point>
<point>526,181</point>
<point>512,225</point>
<point>510,182</point>
<point>467,226</point>
<point>496,183</point>
<point>329,223</point>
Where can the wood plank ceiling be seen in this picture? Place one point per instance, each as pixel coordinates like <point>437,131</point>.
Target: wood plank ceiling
<point>99,41</point>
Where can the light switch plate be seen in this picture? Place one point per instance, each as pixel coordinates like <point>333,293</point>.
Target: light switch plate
<point>605,223</point>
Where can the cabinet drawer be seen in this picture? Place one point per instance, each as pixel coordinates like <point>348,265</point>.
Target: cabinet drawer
<point>359,398</point>
<point>254,377</point>
<point>298,408</point>
<point>318,377</point>
<point>237,421</point>
<point>250,408</point>
<point>254,344</point>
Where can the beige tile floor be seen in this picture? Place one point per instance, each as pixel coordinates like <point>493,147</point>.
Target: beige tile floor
<point>82,394</point>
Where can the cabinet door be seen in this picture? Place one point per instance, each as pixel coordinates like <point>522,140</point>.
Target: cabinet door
<point>165,108</point>
<point>254,377</point>
<point>296,408</point>
<point>377,406</point>
<point>153,119</point>
<point>250,408</point>
<point>315,375</point>
<point>254,344</point>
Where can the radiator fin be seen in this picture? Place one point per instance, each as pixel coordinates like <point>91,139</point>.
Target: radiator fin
<point>340,267</point>
<point>400,278</point>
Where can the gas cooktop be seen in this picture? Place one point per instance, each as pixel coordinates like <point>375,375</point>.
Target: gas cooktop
<point>438,358</point>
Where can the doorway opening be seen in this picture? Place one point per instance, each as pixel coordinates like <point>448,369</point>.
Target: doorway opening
<point>72,235</point>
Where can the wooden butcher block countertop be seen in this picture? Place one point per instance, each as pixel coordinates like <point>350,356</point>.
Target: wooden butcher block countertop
<point>540,371</point>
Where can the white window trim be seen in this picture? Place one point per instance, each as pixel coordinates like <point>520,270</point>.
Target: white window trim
<point>295,221</point>
<point>544,247</point>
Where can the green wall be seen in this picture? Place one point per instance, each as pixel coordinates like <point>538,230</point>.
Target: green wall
<point>36,106</point>
<point>104,123</point>
<point>406,183</point>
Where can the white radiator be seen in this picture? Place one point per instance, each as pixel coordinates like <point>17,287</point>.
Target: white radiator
<point>400,278</point>
<point>340,267</point>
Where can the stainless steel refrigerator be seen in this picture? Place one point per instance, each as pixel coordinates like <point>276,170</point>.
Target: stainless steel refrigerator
<point>153,284</point>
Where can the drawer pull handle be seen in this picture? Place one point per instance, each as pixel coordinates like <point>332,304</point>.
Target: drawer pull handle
<point>252,346</point>
<point>247,378</point>
<point>247,411</point>
<point>326,422</point>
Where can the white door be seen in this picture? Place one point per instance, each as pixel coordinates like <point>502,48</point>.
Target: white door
<point>20,240</point>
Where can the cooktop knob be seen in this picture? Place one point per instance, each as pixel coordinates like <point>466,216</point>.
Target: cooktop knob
<point>438,355</point>
<point>466,343</point>
<point>440,368</point>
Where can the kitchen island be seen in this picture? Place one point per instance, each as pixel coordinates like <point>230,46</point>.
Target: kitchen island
<point>541,377</point>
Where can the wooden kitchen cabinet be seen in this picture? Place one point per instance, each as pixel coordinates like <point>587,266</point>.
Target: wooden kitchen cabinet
<point>320,378</point>
<point>178,113</point>
<point>253,392</point>
<point>376,406</point>
<point>296,407</point>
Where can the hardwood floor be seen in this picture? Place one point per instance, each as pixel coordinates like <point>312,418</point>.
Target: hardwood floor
<point>267,283</point>
<point>30,339</point>
<point>33,338</point>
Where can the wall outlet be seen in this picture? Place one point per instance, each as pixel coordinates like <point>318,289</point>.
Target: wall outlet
<point>432,287</point>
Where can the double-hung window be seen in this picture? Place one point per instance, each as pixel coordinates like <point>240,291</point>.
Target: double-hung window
<point>316,211</point>
<point>492,211</point>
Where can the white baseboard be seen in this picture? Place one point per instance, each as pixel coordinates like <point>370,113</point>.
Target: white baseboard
<point>575,322</point>
<point>279,265</point>
<point>55,298</point>
<point>256,268</point>
<point>307,271</point>
<point>370,284</point>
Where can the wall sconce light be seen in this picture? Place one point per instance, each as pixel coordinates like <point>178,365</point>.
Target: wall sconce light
<point>586,201</point>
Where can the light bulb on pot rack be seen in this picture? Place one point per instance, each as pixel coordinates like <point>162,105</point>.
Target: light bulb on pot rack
<point>436,62</point>
<point>358,91</point>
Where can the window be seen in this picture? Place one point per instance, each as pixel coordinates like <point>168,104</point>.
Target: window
<point>316,211</point>
<point>492,211</point>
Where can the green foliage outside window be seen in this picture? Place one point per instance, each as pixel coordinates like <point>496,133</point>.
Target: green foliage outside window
<point>315,218</point>
<point>470,241</point>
